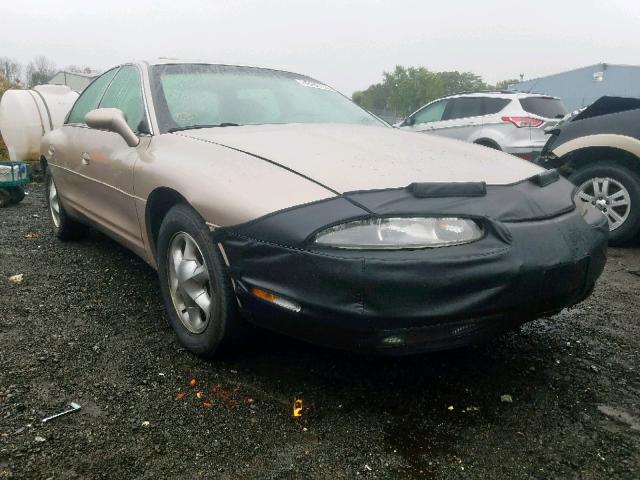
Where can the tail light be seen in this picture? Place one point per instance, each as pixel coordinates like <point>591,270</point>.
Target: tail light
<point>522,122</point>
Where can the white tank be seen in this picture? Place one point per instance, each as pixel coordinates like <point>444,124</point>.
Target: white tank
<point>26,115</point>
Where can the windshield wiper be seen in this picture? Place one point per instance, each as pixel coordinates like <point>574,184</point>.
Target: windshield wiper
<point>193,127</point>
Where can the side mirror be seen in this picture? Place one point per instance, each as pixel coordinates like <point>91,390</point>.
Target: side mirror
<point>112,120</point>
<point>408,121</point>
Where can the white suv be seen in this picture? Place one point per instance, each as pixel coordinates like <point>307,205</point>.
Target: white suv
<point>510,121</point>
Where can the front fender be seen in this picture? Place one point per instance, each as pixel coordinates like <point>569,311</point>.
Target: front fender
<point>611,140</point>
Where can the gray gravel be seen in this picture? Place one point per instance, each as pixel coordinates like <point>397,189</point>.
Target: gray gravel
<point>86,324</point>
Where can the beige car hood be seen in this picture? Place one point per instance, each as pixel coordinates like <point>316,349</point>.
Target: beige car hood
<point>353,157</point>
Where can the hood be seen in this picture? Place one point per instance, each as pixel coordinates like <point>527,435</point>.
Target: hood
<point>607,105</point>
<point>354,157</point>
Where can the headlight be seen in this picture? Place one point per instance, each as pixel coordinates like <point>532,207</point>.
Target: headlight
<point>399,233</point>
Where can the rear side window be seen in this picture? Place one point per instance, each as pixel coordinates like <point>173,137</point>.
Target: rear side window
<point>125,93</point>
<point>494,105</point>
<point>464,107</point>
<point>90,98</point>
<point>545,107</point>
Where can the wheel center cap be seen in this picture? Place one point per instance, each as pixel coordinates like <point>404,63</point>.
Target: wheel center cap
<point>601,204</point>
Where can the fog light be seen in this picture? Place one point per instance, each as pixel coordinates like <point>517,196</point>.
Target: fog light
<point>275,299</point>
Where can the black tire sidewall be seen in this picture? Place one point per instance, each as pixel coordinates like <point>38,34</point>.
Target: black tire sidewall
<point>183,218</point>
<point>5,198</point>
<point>631,227</point>
<point>17,194</point>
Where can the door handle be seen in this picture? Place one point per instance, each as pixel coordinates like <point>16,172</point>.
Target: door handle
<point>86,158</point>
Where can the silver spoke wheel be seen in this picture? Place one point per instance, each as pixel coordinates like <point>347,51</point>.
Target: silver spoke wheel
<point>607,195</point>
<point>54,203</point>
<point>189,283</point>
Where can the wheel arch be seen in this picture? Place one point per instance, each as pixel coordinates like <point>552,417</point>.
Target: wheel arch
<point>488,142</point>
<point>159,202</point>
<point>582,157</point>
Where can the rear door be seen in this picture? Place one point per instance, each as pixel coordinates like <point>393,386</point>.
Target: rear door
<point>462,117</point>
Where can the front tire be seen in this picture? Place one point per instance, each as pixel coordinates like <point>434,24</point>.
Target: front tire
<point>615,190</point>
<point>196,287</point>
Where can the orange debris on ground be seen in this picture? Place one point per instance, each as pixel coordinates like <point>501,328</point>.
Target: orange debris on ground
<point>193,382</point>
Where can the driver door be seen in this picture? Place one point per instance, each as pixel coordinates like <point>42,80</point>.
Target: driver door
<point>107,163</point>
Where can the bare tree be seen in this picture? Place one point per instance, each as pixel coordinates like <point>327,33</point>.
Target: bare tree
<point>40,70</point>
<point>10,69</point>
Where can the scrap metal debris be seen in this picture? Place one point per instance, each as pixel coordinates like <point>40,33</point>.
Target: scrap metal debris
<point>506,398</point>
<point>16,279</point>
<point>32,236</point>
<point>74,408</point>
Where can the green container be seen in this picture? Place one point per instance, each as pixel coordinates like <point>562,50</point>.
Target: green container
<point>13,177</point>
<point>13,174</point>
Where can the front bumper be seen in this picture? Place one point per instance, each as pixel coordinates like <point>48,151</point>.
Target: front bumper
<point>401,302</point>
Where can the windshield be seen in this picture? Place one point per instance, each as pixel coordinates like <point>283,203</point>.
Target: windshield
<point>200,95</point>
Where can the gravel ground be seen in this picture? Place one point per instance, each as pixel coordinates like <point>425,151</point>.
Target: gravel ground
<point>559,399</point>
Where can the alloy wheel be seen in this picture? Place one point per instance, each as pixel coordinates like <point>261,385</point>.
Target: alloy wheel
<point>609,196</point>
<point>54,203</point>
<point>189,283</point>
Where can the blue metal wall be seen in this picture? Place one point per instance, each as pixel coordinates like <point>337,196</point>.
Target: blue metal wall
<point>578,88</point>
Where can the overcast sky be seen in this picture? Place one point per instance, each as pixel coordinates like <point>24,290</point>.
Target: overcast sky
<point>347,44</point>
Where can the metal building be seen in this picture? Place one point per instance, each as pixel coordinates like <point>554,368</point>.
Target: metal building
<point>581,87</point>
<point>75,81</point>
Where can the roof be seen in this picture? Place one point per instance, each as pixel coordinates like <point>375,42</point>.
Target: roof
<point>602,66</point>
<point>494,94</point>
<point>76,74</point>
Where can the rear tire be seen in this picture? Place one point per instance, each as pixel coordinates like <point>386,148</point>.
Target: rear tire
<point>17,194</point>
<point>63,226</point>
<point>197,290</point>
<point>621,185</point>
<point>5,198</point>
<point>488,144</point>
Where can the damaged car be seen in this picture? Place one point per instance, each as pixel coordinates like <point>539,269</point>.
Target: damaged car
<point>267,195</point>
<point>598,149</point>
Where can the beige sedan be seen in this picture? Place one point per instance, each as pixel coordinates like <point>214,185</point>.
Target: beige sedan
<point>268,195</point>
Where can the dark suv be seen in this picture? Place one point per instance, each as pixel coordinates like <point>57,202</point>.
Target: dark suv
<point>599,150</point>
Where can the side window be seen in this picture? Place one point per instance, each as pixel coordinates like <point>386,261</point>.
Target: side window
<point>125,93</point>
<point>494,105</point>
<point>464,107</point>
<point>431,113</point>
<point>90,98</point>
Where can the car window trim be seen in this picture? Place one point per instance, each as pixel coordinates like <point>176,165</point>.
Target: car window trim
<point>142,95</point>
<point>117,68</point>
<point>144,99</point>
